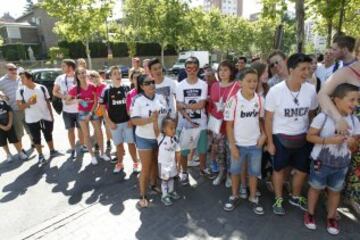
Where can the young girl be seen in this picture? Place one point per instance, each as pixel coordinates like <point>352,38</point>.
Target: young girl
<point>85,93</point>
<point>246,136</point>
<point>220,92</point>
<point>168,158</point>
<point>331,155</point>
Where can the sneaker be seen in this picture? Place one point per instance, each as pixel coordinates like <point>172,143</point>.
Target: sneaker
<point>214,166</point>
<point>105,157</point>
<point>174,195</point>
<point>72,154</point>
<point>205,172</point>
<point>219,178</point>
<point>167,200</point>
<point>108,146</point>
<point>278,206</point>
<point>232,203</point>
<point>27,153</point>
<point>256,206</point>
<point>9,158</point>
<point>299,202</point>
<point>184,181</point>
<point>193,163</point>
<point>41,159</point>
<point>118,168</point>
<point>114,160</point>
<point>94,160</point>
<point>228,182</point>
<point>84,149</point>
<point>96,147</point>
<point>243,192</point>
<point>309,221</point>
<point>136,168</point>
<point>258,193</point>
<point>332,226</point>
<point>22,156</point>
<point>54,153</point>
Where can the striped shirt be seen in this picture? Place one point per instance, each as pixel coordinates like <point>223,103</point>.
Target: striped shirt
<point>9,88</point>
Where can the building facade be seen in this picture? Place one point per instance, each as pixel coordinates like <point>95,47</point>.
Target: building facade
<point>228,7</point>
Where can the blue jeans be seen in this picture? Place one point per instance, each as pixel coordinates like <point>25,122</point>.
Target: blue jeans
<point>252,155</point>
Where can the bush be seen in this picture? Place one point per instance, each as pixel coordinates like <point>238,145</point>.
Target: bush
<point>18,51</point>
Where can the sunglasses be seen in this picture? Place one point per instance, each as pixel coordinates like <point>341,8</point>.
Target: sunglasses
<point>274,64</point>
<point>191,69</point>
<point>148,83</point>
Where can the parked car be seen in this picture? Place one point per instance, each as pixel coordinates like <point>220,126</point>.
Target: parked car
<point>46,77</point>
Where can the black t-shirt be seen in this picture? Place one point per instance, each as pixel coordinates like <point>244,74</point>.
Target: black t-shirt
<point>4,112</point>
<point>115,101</point>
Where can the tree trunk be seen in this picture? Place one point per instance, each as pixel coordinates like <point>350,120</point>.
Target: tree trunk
<point>329,32</point>
<point>88,55</point>
<point>300,15</point>
<point>341,16</point>
<point>162,54</point>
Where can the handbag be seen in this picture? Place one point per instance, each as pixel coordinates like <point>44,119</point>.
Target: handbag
<point>189,138</point>
<point>57,104</point>
<point>214,124</point>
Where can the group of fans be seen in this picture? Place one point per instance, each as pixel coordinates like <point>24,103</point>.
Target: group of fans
<point>239,124</point>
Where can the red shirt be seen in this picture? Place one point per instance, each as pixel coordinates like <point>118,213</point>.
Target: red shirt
<point>86,95</point>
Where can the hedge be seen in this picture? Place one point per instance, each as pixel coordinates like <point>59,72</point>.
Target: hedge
<point>16,52</point>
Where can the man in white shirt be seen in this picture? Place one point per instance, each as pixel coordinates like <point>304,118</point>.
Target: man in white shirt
<point>62,86</point>
<point>164,85</point>
<point>191,96</point>
<point>290,106</point>
<point>35,100</point>
<point>324,71</point>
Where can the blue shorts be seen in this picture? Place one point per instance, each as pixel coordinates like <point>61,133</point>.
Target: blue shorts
<point>122,134</point>
<point>145,144</point>
<point>252,155</point>
<point>297,158</point>
<point>71,120</point>
<point>202,144</point>
<point>327,177</point>
<point>83,115</point>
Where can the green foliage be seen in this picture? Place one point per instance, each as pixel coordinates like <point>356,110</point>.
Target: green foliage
<point>58,53</point>
<point>18,52</point>
<point>29,6</point>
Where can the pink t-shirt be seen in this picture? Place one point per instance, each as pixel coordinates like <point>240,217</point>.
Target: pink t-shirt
<point>129,99</point>
<point>100,89</point>
<point>216,94</point>
<point>86,95</point>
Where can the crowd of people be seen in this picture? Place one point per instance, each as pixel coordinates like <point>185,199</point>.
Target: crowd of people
<point>286,120</point>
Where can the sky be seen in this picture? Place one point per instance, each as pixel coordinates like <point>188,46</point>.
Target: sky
<point>16,7</point>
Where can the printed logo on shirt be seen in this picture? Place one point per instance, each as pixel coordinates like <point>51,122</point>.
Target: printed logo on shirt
<point>253,113</point>
<point>191,96</point>
<point>296,112</point>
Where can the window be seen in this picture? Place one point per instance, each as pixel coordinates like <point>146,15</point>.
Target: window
<point>13,32</point>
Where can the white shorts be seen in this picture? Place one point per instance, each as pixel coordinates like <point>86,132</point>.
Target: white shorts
<point>122,134</point>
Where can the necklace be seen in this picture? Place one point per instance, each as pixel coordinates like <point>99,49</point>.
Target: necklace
<point>295,98</point>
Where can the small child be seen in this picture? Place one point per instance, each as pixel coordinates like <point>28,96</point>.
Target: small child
<point>7,131</point>
<point>169,157</point>
<point>331,155</point>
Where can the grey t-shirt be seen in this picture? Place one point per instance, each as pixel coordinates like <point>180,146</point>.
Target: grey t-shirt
<point>9,88</point>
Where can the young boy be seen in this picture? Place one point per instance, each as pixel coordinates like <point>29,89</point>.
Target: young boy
<point>7,131</point>
<point>113,100</point>
<point>245,131</point>
<point>331,155</point>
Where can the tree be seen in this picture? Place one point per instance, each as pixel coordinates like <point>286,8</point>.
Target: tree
<point>29,6</point>
<point>300,16</point>
<point>160,21</point>
<point>79,20</point>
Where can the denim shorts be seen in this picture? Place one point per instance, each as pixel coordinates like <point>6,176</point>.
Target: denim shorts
<point>298,158</point>
<point>71,120</point>
<point>145,144</point>
<point>83,115</point>
<point>252,155</point>
<point>202,144</point>
<point>332,178</point>
<point>122,134</point>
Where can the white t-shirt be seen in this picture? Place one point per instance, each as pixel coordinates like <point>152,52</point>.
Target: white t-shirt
<point>38,111</point>
<point>288,117</point>
<point>192,93</point>
<point>245,114</point>
<point>333,155</point>
<point>66,83</point>
<point>168,146</point>
<point>323,73</point>
<point>167,88</point>
<point>143,107</point>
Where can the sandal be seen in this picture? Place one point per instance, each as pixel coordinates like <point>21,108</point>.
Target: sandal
<point>232,203</point>
<point>143,202</point>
